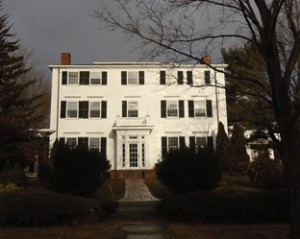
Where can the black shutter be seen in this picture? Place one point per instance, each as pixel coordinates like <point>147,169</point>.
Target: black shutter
<point>83,109</point>
<point>104,77</point>
<point>162,77</point>
<point>63,108</point>
<point>124,108</point>
<point>191,109</point>
<point>103,145</point>
<point>141,77</point>
<point>103,109</point>
<point>189,77</point>
<point>62,141</point>
<point>207,77</point>
<point>181,109</point>
<point>163,109</point>
<point>164,146</point>
<point>209,108</point>
<point>180,77</point>
<point>124,78</point>
<point>193,143</point>
<point>210,142</point>
<point>84,77</point>
<point>64,77</point>
<point>83,142</point>
<point>182,142</point>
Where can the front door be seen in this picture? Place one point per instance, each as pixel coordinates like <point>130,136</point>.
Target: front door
<point>133,154</point>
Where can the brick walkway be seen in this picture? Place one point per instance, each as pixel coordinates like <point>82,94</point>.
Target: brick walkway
<point>136,190</point>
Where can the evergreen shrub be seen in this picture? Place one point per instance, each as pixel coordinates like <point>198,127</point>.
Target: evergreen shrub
<point>185,170</point>
<point>76,171</point>
<point>265,172</point>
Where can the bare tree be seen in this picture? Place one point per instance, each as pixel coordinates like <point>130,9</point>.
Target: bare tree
<point>187,29</point>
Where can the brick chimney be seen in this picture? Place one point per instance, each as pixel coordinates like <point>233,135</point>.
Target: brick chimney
<point>206,59</point>
<point>65,58</point>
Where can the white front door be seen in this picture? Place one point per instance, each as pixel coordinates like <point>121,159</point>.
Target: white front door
<point>133,154</point>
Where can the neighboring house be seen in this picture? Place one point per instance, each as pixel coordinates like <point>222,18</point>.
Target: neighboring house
<point>135,112</point>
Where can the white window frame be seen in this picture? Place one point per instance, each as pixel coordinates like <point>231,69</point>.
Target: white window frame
<point>73,80</point>
<point>173,143</point>
<point>132,78</point>
<point>172,113</point>
<point>94,109</point>
<point>200,108</point>
<point>72,106</point>
<point>95,75</point>
<point>94,143</point>
<point>71,142</point>
<point>200,142</point>
<point>132,109</point>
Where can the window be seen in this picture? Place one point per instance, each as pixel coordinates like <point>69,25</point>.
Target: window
<point>94,144</point>
<point>172,143</point>
<point>72,109</point>
<point>199,142</point>
<point>72,143</point>
<point>130,109</point>
<point>133,78</point>
<point>95,78</point>
<point>73,78</point>
<point>95,109</point>
<point>207,77</point>
<point>172,109</point>
<point>200,108</point>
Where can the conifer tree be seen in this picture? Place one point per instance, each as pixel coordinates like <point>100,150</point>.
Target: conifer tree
<point>223,147</point>
<point>16,108</point>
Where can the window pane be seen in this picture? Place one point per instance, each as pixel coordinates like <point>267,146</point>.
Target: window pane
<point>73,78</point>
<point>72,109</point>
<point>200,142</point>
<point>95,78</point>
<point>95,110</point>
<point>200,108</point>
<point>71,143</point>
<point>172,108</point>
<point>173,143</point>
<point>95,144</point>
<point>133,109</point>
<point>132,78</point>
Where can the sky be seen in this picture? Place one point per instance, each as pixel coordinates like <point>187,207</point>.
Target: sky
<point>50,27</point>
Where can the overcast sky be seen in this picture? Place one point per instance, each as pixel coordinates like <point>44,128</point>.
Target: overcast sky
<point>54,26</point>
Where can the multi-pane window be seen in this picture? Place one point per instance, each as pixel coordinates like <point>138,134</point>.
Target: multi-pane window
<point>95,78</point>
<point>130,109</point>
<point>72,109</point>
<point>172,108</point>
<point>73,78</point>
<point>95,109</point>
<point>173,143</point>
<point>200,108</point>
<point>84,78</point>
<point>94,144</point>
<point>133,109</point>
<point>200,142</point>
<point>71,143</point>
<point>83,109</point>
<point>133,78</point>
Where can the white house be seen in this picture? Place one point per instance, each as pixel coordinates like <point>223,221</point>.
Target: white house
<point>136,111</point>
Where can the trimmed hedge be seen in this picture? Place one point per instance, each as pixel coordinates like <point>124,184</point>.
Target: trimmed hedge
<point>46,208</point>
<point>238,207</point>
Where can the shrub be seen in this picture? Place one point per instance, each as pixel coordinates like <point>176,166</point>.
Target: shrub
<point>265,172</point>
<point>46,208</point>
<point>5,172</point>
<point>17,175</point>
<point>75,171</point>
<point>237,207</point>
<point>185,170</point>
<point>6,188</point>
